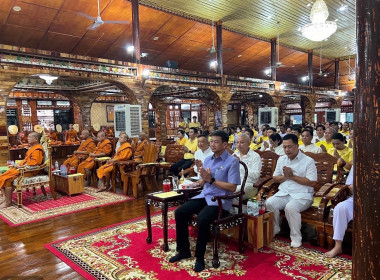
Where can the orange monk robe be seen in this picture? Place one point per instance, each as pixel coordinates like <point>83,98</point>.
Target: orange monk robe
<point>23,138</point>
<point>87,145</point>
<point>53,136</point>
<point>34,156</point>
<point>123,153</point>
<point>139,148</point>
<point>102,147</point>
<point>71,135</point>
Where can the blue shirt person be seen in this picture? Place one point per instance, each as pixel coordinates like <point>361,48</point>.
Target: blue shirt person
<point>219,176</point>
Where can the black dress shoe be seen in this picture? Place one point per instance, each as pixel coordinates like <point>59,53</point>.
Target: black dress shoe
<point>199,265</point>
<point>180,256</point>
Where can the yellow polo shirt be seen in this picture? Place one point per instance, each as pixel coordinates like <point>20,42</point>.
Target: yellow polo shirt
<point>253,146</point>
<point>181,141</point>
<point>328,146</point>
<point>192,145</point>
<point>182,125</point>
<point>194,124</point>
<point>346,154</point>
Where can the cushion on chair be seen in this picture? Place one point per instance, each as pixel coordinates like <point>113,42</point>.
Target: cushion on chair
<point>33,180</point>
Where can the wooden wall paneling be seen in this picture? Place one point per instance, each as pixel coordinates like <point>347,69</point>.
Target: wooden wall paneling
<point>175,26</point>
<point>164,41</point>
<point>85,6</point>
<point>151,21</point>
<point>46,10</point>
<point>59,42</point>
<point>28,21</point>
<point>201,33</point>
<point>19,36</point>
<point>70,24</point>
<point>90,47</point>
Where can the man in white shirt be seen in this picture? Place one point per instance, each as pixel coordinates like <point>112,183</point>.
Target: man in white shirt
<point>282,132</point>
<point>267,144</point>
<point>343,214</point>
<point>253,162</point>
<point>297,174</point>
<point>320,134</point>
<point>202,153</point>
<point>308,146</point>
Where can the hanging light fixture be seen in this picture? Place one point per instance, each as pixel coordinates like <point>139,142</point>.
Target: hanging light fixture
<point>48,78</point>
<point>319,29</point>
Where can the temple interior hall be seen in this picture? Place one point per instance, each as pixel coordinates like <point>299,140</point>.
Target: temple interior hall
<point>114,114</point>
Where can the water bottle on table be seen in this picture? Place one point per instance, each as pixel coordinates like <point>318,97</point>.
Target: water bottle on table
<point>63,170</point>
<point>255,207</point>
<point>166,185</point>
<point>250,207</point>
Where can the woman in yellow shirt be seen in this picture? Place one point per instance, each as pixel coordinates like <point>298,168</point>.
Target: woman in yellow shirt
<point>327,144</point>
<point>340,150</point>
<point>181,137</point>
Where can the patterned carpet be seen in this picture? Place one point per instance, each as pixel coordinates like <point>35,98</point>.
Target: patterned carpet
<point>120,252</point>
<point>38,207</point>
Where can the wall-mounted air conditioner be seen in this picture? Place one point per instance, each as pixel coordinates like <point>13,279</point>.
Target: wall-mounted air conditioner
<point>332,115</point>
<point>128,119</point>
<point>268,115</point>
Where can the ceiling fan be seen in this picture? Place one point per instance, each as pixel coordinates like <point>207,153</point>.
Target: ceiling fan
<point>279,63</point>
<point>98,20</point>
<point>321,72</point>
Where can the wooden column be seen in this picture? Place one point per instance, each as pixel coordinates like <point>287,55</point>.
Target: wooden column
<point>219,47</point>
<point>336,76</point>
<point>136,31</point>
<point>366,251</point>
<point>273,60</point>
<point>310,66</point>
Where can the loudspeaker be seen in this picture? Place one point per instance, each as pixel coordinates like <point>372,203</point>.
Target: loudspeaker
<point>171,64</point>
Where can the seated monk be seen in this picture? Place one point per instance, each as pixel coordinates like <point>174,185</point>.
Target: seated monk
<point>33,157</point>
<point>71,134</point>
<point>103,149</point>
<point>123,153</point>
<point>86,147</point>
<point>138,147</point>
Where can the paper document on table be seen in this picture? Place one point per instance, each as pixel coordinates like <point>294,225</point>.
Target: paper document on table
<point>166,194</point>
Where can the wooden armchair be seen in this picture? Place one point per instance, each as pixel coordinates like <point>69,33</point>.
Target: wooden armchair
<point>35,176</point>
<point>133,172</point>
<point>269,161</point>
<point>173,154</point>
<point>226,222</point>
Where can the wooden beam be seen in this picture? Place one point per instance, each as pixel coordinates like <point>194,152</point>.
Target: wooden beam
<point>366,251</point>
<point>273,59</point>
<point>219,47</point>
<point>310,66</point>
<point>336,75</point>
<point>136,31</point>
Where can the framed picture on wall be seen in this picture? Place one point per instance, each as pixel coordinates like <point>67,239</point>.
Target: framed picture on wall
<point>110,113</point>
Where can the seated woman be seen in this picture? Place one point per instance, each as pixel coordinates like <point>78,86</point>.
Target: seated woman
<point>340,150</point>
<point>34,157</point>
<point>343,214</point>
<point>181,140</point>
<point>276,144</point>
<point>123,153</point>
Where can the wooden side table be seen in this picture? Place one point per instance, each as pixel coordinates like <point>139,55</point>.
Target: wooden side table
<point>71,184</point>
<point>260,230</point>
<point>162,200</point>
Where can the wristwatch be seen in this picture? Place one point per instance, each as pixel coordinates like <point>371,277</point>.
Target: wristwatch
<point>212,181</point>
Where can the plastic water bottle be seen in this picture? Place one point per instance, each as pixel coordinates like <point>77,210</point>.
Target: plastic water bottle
<point>255,207</point>
<point>63,170</point>
<point>250,207</point>
<point>56,166</point>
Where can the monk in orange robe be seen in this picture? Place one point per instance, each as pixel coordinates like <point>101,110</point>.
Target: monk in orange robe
<point>124,152</point>
<point>103,149</point>
<point>138,147</point>
<point>33,157</point>
<point>87,147</point>
<point>71,134</point>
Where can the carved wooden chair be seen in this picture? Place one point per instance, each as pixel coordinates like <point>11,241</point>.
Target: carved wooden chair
<point>269,161</point>
<point>229,221</point>
<point>36,176</point>
<point>134,173</point>
<point>173,154</point>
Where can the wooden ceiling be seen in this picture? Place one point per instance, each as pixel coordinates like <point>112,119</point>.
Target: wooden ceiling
<point>56,25</point>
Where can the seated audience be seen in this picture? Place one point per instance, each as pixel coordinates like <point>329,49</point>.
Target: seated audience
<point>202,153</point>
<point>343,214</point>
<point>194,124</point>
<point>276,144</point>
<point>34,157</point>
<point>345,129</point>
<point>189,148</point>
<point>123,153</point>
<point>320,134</point>
<point>253,162</point>
<point>86,147</point>
<point>351,141</point>
<point>297,174</point>
<point>181,140</point>
<point>219,176</point>
<point>182,124</point>
<point>251,135</point>
<point>335,126</point>
<point>103,149</point>
<point>138,147</point>
<point>341,151</point>
<point>327,143</point>
<point>282,130</point>
<point>308,146</point>
<point>261,139</point>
